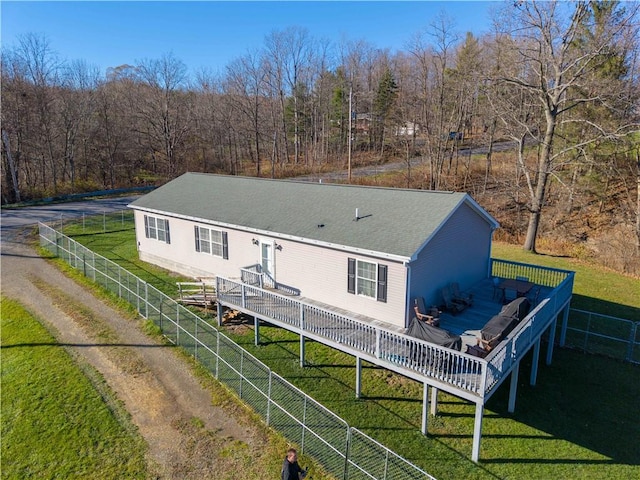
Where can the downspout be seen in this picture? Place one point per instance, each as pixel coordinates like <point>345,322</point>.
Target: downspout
<point>407,299</point>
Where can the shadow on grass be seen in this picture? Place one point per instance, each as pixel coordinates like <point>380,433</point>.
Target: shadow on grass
<point>587,400</point>
<point>90,345</point>
<point>625,312</point>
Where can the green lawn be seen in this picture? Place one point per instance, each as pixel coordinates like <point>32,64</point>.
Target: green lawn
<point>56,423</point>
<point>580,421</point>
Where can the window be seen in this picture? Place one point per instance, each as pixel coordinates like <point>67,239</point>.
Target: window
<point>367,279</point>
<point>157,228</point>
<point>211,241</point>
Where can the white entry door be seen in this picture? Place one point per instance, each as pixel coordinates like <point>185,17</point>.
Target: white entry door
<point>267,262</point>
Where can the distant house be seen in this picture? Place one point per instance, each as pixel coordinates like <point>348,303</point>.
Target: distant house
<point>408,129</point>
<point>365,250</point>
<point>362,123</point>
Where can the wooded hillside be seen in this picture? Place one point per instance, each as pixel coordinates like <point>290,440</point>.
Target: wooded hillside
<point>558,80</point>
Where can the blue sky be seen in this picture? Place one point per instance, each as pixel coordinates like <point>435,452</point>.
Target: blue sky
<point>209,34</point>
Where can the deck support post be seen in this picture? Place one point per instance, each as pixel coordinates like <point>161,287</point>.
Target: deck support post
<point>256,331</point>
<point>358,377</point>
<point>513,388</point>
<point>219,313</point>
<point>552,337</point>
<point>425,408</point>
<point>534,362</point>
<point>301,350</point>
<point>434,401</point>
<point>477,432</point>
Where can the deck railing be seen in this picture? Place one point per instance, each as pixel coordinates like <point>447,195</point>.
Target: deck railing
<point>416,358</point>
<point>519,342</point>
<point>545,276</point>
<point>420,358</point>
<point>252,275</point>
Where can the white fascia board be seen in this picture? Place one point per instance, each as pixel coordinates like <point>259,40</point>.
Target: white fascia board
<point>257,231</point>
<point>481,211</point>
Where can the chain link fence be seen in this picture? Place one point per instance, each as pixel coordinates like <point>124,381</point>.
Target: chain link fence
<point>603,334</point>
<point>343,451</point>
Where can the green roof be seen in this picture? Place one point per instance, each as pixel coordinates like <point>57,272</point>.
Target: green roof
<point>391,221</point>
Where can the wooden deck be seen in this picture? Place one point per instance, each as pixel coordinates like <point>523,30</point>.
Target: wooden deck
<point>438,368</point>
<point>486,304</point>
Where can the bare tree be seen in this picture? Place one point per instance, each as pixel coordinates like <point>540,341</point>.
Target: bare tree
<point>164,107</point>
<point>559,74</point>
<point>246,85</point>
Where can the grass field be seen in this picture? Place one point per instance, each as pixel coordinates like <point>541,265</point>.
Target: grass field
<point>580,421</point>
<point>59,421</point>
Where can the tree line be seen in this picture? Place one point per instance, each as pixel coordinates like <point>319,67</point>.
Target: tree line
<point>557,79</point>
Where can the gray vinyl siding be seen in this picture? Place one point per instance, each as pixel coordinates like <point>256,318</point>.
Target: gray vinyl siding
<point>458,252</point>
<point>181,256</point>
<point>319,273</point>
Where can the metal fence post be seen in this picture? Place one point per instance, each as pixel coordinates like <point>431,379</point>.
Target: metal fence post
<point>347,451</point>
<point>217,353</point>
<point>146,300</point>
<point>304,422</point>
<point>177,324</point>
<point>586,333</point>
<point>241,372</point>
<point>195,348</point>
<point>632,341</point>
<point>269,398</point>
<point>386,465</point>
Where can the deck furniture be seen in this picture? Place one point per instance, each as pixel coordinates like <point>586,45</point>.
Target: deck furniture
<point>496,289</point>
<point>500,325</point>
<point>460,297</point>
<point>432,334</point>
<point>450,303</point>
<point>519,288</point>
<point>431,315</point>
<point>533,295</point>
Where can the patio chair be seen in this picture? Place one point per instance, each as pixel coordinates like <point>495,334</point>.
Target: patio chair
<point>509,295</point>
<point>450,303</point>
<point>533,295</point>
<point>431,316</point>
<point>496,289</point>
<point>460,297</point>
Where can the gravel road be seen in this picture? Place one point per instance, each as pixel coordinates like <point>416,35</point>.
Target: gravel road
<point>162,396</point>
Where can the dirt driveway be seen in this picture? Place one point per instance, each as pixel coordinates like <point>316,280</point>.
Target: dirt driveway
<point>171,409</point>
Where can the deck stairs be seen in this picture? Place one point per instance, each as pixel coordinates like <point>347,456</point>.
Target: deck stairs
<point>201,293</point>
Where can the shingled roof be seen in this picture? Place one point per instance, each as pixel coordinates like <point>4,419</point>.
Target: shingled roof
<point>393,222</point>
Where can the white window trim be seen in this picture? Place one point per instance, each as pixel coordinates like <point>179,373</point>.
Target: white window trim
<point>211,242</point>
<point>374,280</point>
<point>153,232</point>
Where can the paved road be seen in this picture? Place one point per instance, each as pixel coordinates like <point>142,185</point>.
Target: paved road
<point>394,166</point>
<point>15,219</point>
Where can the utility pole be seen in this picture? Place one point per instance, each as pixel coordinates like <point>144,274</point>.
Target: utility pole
<point>350,120</point>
